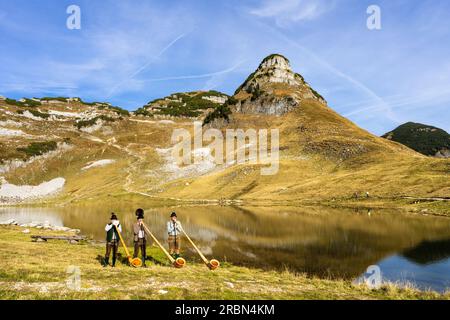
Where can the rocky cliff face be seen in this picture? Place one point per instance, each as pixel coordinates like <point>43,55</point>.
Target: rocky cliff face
<point>273,89</point>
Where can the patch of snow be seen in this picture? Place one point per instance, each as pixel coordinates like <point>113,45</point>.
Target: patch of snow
<point>13,192</point>
<point>142,121</point>
<point>99,163</point>
<point>65,114</point>
<point>94,139</point>
<point>166,122</point>
<point>216,99</point>
<point>97,126</point>
<point>202,164</point>
<point>11,133</point>
<point>10,123</point>
<point>29,115</point>
<point>15,164</point>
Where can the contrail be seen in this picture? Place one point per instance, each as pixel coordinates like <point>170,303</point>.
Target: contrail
<point>147,64</point>
<point>196,76</point>
<point>337,72</point>
<point>402,101</point>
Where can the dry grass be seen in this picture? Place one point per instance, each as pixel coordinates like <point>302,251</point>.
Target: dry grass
<point>31,270</point>
<point>324,157</point>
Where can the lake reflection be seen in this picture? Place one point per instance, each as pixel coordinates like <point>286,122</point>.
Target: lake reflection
<point>319,241</point>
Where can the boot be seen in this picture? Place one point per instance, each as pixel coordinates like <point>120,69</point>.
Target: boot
<point>113,261</point>
<point>143,262</point>
<point>176,256</point>
<point>105,261</point>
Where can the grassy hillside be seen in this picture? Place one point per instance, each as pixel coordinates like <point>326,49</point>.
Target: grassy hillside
<point>184,104</point>
<point>323,156</point>
<point>43,275</point>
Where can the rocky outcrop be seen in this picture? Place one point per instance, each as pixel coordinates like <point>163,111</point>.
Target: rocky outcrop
<point>273,89</point>
<point>184,104</point>
<point>38,225</point>
<point>216,99</point>
<point>444,153</point>
<point>266,105</point>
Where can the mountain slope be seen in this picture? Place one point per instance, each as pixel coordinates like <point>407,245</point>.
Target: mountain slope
<point>428,140</point>
<point>323,156</point>
<point>184,104</point>
<point>273,89</point>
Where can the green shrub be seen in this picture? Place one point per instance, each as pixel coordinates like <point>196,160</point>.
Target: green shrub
<point>39,114</point>
<point>143,112</point>
<point>61,99</point>
<point>317,94</point>
<point>300,76</point>
<point>105,105</point>
<point>119,111</point>
<point>221,112</point>
<point>38,148</point>
<point>422,138</point>
<point>88,123</point>
<point>250,77</point>
<point>28,103</point>
<point>35,113</point>
<point>272,56</point>
<point>190,106</point>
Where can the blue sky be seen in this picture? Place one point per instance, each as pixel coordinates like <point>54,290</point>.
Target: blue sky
<point>129,52</point>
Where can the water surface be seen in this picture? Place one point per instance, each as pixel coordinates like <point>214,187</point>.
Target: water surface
<point>338,243</point>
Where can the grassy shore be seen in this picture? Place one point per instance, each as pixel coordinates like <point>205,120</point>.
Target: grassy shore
<point>38,270</point>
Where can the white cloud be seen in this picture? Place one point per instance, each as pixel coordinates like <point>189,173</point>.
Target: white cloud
<point>286,12</point>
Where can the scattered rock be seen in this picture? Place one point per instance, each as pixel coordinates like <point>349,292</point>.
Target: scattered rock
<point>10,222</point>
<point>163,291</point>
<point>26,231</point>
<point>39,225</point>
<point>229,284</point>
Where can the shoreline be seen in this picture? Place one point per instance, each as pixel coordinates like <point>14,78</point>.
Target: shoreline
<point>43,275</point>
<point>406,204</point>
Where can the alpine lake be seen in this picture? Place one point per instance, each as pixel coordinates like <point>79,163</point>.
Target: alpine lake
<point>408,249</point>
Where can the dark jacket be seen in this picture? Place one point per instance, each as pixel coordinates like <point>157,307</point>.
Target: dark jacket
<point>111,232</point>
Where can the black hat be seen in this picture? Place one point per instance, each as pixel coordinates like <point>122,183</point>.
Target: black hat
<point>140,216</point>
<point>113,216</point>
<point>173,215</point>
<point>140,212</point>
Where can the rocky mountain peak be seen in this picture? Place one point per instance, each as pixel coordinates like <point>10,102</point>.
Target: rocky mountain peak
<point>277,69</point>
<point>273,89</point>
